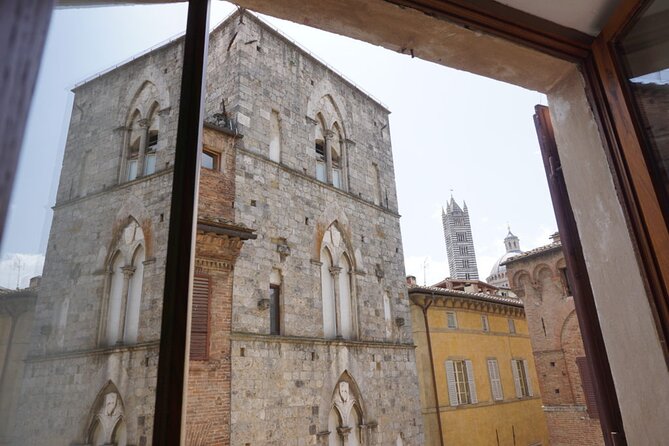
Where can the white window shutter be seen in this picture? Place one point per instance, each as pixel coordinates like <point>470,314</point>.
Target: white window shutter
<point>472,383</point>
<point>516,379</point>
<point>495,383</point>
<point>529,379</point>
<point>452,389</point>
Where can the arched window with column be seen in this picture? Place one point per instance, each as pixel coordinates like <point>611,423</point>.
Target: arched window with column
<point>329,143</point>
<point>125,279</point>
<point>337,286</point>
<point>143,133</point>
<point>346,419</point>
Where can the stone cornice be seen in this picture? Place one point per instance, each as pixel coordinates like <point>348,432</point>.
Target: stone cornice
<point>244,336</point>
<point>98,351</point>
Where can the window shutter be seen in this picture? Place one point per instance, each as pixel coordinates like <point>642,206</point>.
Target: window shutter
<point>452,390</point>
<point>199,328</point>
<point>516,379</point>
<point>528,378</point>
<point>588,387</point>
<point>472,383</point>
<point>495,383</point>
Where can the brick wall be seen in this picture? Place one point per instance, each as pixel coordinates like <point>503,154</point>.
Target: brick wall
<point>556,343</point>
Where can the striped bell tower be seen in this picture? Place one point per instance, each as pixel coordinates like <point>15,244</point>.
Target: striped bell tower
<point>459,241</point>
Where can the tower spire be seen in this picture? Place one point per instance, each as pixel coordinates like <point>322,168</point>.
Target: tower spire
<point>459,241</point>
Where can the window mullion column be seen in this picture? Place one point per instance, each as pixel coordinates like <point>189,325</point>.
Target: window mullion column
<point>128,271</point>
<point>334,271</point>
<point>329,134</point>
<point>143,138</point>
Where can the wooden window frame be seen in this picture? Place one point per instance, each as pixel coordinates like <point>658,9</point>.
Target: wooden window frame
<point>216,156</point>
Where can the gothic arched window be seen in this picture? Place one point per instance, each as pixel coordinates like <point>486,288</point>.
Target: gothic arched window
<point>143,133</point>
<point>329,144</point>
<point>337,287</point>
<point>346,417</point>
<point>107,425</point>
<point>124,286</point>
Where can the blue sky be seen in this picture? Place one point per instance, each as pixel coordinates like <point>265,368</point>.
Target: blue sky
<point>450,130</point>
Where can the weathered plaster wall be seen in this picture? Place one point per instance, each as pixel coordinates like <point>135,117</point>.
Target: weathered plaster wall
<point>622,304</point>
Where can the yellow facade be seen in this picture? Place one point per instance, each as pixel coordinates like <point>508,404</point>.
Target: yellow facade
<point>507,420</point>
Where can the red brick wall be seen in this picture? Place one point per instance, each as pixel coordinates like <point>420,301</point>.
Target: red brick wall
<point>556,343</point>
<point>208,398</point>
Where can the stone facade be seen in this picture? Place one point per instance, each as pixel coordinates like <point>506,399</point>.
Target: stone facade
<point>459,241</point>
<point>539,277</point>
<point>312,176</point>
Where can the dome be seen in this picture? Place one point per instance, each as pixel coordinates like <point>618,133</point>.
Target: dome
<point>497,275</point>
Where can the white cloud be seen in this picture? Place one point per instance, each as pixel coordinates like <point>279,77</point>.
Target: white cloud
<point>17,268</point>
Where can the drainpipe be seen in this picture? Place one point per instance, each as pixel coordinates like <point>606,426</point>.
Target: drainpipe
<point>425,307</point>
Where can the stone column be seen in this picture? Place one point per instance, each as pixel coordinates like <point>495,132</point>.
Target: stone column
<point>343,432</point>
<point>143,138</point>
<point>334,271</point>
<point>128,271</point>
<point>329,135</point>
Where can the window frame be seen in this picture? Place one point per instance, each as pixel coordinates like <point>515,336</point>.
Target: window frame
<point>512,326</point>
<point>275,310</point>
<point>215,156</point>
<point>454,319</point>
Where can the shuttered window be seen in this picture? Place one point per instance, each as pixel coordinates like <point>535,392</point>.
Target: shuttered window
<point>495,381</point>
<point>461,384</point>
<point>521,378</point>
<point>451,320</point>
<point>588,386</point>
<point>199,329</point>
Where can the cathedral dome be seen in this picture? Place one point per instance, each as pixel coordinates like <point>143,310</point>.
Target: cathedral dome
<point>497,275</point>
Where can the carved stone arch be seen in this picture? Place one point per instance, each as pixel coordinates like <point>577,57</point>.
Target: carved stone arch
<point>346,383</point>
<point>134,208</point>
<point>106,413</point>
<point>333,214</point>
<point>325,89</point>
<point>153,80</point>
<point>120,239</point>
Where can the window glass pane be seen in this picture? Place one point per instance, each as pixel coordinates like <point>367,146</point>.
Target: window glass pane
<point>150,164</point>
<point>132,169</point>
<point>644,50</point>
<point>336,178</point>
<point>320,172</point>
<point>208,160</point>
<point>82,270</point>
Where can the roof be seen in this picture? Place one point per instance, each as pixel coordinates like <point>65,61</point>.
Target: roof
<point>220,25</point>
<point>475,296</point>
<point>533,252</point>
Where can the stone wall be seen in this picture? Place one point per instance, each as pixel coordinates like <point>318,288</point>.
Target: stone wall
<point>73,379</point>
<point>282,386</point>
<point>68,363</point>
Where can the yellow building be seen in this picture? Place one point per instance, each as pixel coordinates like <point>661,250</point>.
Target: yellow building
<point>474,349</point>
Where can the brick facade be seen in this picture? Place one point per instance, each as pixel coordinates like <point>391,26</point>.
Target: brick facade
<point>538,277</point>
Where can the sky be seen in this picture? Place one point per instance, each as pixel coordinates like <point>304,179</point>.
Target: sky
<point>453,133</point>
